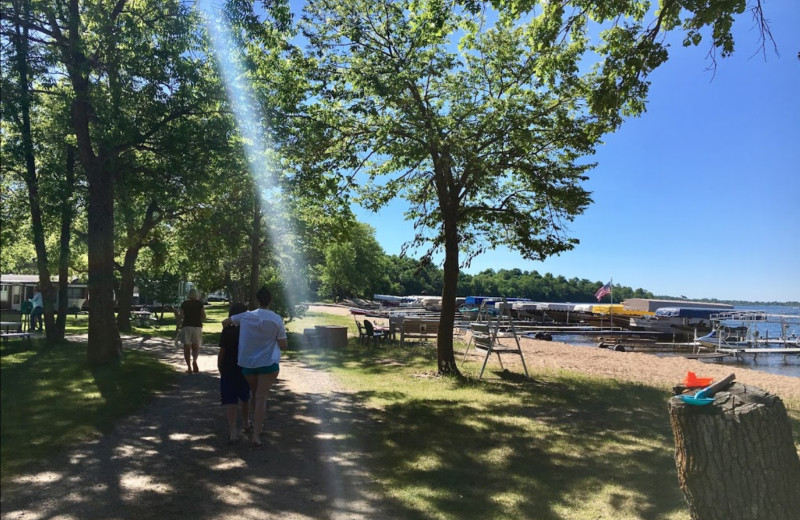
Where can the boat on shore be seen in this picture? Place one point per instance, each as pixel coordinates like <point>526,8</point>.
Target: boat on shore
<point>680,322</point>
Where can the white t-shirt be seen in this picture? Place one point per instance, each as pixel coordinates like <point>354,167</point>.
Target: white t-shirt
<point>259,332</point>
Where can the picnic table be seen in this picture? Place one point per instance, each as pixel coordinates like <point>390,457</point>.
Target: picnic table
<point>142,317</point>
<point>7,326</point>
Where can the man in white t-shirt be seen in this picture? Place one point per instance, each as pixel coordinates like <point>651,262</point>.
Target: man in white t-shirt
<point>262,336</point>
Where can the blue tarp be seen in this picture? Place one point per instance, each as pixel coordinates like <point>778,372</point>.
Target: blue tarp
<point>477,300</point>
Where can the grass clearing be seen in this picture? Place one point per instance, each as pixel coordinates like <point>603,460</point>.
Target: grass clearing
<point>562,445</point>
<point>51,399</point>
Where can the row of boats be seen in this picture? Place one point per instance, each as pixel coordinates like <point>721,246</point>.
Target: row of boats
<point>676,319</point>
<point>712,326</point>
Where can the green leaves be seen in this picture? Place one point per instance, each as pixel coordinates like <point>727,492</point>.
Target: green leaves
<point>445,109</point>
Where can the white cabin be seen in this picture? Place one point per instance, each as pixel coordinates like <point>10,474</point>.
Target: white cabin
<point>16,288</point>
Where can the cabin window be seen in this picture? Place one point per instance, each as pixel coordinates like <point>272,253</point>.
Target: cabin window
<point>75,293</point>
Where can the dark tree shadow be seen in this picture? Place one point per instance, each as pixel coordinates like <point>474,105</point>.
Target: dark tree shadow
<point>172,460</point>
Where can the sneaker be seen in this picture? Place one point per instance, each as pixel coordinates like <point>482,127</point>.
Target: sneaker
<point>248,428</point>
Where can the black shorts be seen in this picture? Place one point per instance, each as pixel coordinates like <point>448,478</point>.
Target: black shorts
<point>232,389</point>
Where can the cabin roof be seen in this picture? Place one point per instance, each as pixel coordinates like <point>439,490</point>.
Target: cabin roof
<point>27,279</point>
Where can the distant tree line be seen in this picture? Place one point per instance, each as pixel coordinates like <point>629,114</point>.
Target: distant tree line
<point>358,267</point>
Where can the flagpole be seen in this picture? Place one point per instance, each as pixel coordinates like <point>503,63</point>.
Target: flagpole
<point>611,307</point>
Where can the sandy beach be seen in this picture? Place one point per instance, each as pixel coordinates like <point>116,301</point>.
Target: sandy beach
<point>629,366</point>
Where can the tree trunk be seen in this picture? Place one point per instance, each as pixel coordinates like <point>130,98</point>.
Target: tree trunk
<point>31,179</point>
<point>235,291</point>
<point>67,215</point>
<point>736,458</point>
<point>104,344</point>
<point>126,284</point>
<point>136,240</point>
<point>444,342</point>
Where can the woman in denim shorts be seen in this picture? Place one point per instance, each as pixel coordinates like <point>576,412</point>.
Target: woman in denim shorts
<point>262,336</point>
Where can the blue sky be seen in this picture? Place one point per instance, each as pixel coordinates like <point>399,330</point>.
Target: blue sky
<point>700,196</point>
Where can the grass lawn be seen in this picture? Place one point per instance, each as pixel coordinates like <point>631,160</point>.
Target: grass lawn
<point>50,399</point>
<point>559,446</point>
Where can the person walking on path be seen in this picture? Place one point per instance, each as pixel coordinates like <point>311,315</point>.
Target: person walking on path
<point>192,314</point>
<point>233,386</point>
<point>262,336</point>
<point>38,308</point>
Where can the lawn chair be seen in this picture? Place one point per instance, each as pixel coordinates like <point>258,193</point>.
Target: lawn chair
<point>395,324</point>
<point>376,335</point>
<point>362,334</point>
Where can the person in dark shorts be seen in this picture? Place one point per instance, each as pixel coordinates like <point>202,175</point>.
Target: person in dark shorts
<point>192,314</point>
<point>232,385</point>
<point>262,336</point>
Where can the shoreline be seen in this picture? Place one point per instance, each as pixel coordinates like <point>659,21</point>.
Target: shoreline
<point>638,367</point>
<point>648,368</point>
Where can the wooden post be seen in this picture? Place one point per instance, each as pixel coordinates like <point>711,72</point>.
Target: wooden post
<point>736,459</point>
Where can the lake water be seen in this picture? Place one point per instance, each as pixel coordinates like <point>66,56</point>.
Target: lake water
<point>772,363</point>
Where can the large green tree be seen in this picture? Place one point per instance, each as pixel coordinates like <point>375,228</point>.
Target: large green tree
<point>37,150</point>
<point>168,179</point>
<point>142,97</point>
<point>482,119</point>
<point>131,68</point>
<point>354,265</point>
<point>19,52</point>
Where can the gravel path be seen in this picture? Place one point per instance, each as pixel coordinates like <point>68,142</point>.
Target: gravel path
<point>172,461</point>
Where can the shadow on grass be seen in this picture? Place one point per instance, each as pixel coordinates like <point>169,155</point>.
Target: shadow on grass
<point>574,441</point>
<point>51,399</point>
<point>526,449</point>
<point>171,460</point>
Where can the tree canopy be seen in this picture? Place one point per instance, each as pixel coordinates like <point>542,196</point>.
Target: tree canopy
<point>124,147</point>
<point>483,119</point>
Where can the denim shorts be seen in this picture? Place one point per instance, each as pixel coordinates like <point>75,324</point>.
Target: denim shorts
<point>271,369</point>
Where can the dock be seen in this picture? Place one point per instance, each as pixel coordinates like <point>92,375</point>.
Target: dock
<point>755,352</point>
<point>584,331</point>
<point>708,355</point>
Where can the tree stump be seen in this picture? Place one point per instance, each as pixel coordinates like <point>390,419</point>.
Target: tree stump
<point>735,457</point>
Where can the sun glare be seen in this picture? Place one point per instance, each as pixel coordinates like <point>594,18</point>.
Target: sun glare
<point>261,155</point>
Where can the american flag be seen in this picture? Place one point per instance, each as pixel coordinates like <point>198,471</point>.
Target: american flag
<point>606,289</point>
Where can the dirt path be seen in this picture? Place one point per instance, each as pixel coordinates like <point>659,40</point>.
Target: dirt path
<point>172,461</point>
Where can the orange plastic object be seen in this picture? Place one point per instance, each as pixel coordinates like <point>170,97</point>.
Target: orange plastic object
<point>692,381</point>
